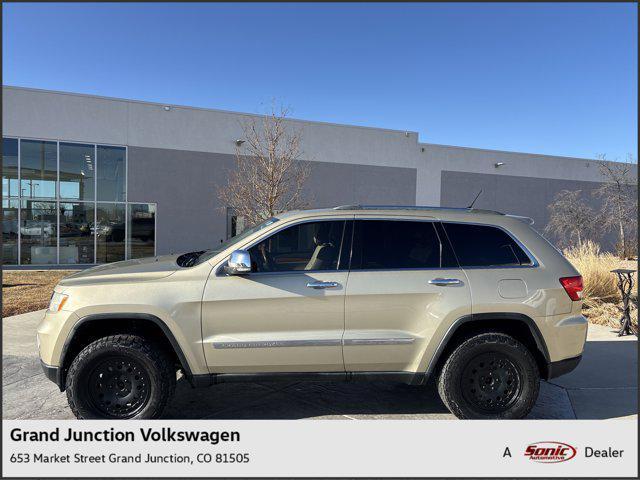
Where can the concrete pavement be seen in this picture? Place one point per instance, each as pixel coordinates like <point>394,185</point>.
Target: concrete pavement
<point>604,386</point>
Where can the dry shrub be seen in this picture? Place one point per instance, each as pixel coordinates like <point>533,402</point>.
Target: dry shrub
<point>602,300</point>
<point>600,285</point>
<point>609,314</point>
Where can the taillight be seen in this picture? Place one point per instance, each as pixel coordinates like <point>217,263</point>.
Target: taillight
<point>573,286</point>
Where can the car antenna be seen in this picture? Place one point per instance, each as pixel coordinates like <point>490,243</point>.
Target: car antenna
<point>474,200</point>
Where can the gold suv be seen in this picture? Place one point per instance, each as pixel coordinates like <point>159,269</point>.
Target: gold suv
<point>476,300</point>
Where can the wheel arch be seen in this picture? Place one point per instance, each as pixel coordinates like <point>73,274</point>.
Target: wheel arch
<point>93,326</point>
<point>520,326</point>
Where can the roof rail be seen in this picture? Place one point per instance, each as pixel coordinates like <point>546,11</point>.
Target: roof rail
<point>413,207</point>
<point>528,220</point>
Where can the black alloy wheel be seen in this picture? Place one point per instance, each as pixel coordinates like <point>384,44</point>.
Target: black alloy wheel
<point>119,387</point>
<point>490,375</point>
<point>121,376</point>
<point>491,381</point>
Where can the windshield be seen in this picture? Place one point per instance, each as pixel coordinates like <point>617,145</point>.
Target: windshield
<point>233,240</point>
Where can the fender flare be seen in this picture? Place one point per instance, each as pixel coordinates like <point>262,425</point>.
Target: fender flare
<point>123,316</point>
<point>478,317</point>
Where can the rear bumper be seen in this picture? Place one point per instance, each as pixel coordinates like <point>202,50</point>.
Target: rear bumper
<point>52,373</point>
<point>562,367</point>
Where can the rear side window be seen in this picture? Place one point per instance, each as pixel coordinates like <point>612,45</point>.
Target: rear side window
<point>484,246</point>
<point>392,245</point>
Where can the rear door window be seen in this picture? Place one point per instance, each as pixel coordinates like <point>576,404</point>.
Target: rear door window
<point>485,246</point>
<point>397,244</point>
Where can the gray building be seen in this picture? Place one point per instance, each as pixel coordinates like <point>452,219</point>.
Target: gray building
<point>90,179</point>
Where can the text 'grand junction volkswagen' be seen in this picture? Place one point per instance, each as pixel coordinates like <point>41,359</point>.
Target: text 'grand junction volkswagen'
<point>476,300</point>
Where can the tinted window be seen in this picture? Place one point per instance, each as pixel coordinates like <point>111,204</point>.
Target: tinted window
<point>77,171</point>
<point>110,232</point>
<point>10,167</point>
<point>381,245</point>
<point>111,170</point>
<point>38,231</point>
<point>141,230</point>
<point>484,246</point>
<point>77,228</point>
<point>9,232</point>
<point>303,247</point>
<point>38,168</point>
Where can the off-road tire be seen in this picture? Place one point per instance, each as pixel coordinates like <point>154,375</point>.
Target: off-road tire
<point>153,360</point>
<point>450,380</point>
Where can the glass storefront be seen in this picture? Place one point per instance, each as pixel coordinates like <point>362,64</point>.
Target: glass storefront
<point>38,233</point>
<point>142,226</point>
<point>110,233</point>
<point>66,203</point>
<point>9,231</point>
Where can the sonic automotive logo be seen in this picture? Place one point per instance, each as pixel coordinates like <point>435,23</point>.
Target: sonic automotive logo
<point>550,452</point>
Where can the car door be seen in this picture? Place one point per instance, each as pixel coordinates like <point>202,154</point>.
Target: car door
<point>287,315</point>
<point>404,286</point>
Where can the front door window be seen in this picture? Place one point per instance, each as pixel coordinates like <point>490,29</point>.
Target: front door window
<point>311,246</point>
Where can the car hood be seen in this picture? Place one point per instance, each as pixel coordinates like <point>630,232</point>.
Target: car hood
<point>138,270</point>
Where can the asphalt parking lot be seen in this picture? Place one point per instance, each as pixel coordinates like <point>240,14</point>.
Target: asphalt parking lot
<point>604,386</point>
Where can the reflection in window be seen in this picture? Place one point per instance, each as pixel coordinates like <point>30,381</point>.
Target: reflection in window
<point>306,246</point>
<point>142,230</point>
<point>484,246</point>
<point>76,233</point>
<point>395,244</point>
<point>77,171</point>
<point>10,167</point>
<point>38,168</point>
<point>9,232</point>
<point>111,174</point>
<point>38,230</point>
<point>110,233</point>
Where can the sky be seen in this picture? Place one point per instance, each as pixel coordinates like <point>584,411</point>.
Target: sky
<point>558,79</point>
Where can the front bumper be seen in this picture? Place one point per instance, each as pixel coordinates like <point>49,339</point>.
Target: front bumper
<point>562,367</point>
<point>52,373</point>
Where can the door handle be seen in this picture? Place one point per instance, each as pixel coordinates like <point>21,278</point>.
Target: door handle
<point>443,282</point>
<point>322,285</point>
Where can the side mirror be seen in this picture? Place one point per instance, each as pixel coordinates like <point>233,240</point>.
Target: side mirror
<point>239,263</point>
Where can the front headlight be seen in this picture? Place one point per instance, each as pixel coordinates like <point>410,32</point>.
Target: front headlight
<point>57,301</point>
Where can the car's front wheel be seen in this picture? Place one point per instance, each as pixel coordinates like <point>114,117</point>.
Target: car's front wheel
<point>120,377</point>
<point>490,376</point>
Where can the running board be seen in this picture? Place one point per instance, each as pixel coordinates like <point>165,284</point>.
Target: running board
<point>409,378</point>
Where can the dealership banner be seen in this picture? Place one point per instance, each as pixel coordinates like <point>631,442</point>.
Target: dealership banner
<point>369,448</point>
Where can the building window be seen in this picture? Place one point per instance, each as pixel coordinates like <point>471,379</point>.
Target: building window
<point>9,231</point>
<point>142,230</point>
<point>110,232</point>
<point>77,228</point>
<point>66,203</point>
<point>10,168</point>
<point>38,233</point>
<point>77,171</point>
<point>111,174</point>
<point>38,169</point>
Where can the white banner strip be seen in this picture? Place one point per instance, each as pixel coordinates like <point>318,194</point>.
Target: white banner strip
<point>369,448</point>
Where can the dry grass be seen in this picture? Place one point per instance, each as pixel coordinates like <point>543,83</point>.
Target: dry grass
<point>28,290</point>
<point>602,300</point>
<point>595,268</point>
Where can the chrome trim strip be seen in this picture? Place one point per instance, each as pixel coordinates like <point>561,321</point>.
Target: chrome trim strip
<point>278,343</point>
<point>314,343</point>
<point>378,341</point>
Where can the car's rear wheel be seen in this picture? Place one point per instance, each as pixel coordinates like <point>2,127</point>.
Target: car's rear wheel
<point>490,376</point>
<point>120,377</point>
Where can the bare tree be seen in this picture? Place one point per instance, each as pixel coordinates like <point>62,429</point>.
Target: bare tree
<point>620,203</point>
<point>572,220</point>
<point>269,176</point>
